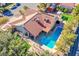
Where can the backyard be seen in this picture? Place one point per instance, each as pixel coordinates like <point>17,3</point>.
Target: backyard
<point>50,39</point>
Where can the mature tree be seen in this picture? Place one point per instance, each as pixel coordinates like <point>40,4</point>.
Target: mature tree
<point>12,45</point>
<point>60,8</point>
<point>65,41</point>
<point>67,37</point>
<point>65,10</point>
<point>75,13</point>
<point>76,10</point>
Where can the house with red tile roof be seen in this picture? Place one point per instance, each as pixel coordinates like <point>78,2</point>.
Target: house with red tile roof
<point>67,5</point>
<point>40,22</point>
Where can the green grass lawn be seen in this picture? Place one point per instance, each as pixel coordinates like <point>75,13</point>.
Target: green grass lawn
<point>67,17</point>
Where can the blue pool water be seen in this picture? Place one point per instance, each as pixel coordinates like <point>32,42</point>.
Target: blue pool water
<point>50,39</point>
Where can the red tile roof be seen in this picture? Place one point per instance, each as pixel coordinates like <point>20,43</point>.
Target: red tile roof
<point>40,22</point>
<point>71,5</point>
<point>33,27</point>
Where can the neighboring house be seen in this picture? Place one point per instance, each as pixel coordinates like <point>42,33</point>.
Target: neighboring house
<point>67,5</point>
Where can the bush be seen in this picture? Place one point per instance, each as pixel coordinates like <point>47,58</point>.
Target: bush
<point>59,8</point>
<point>64,18</point>
<point>3,20</point>
<point>65,10</point>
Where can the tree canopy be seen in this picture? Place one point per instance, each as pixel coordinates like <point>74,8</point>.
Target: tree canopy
<point>68,34</point>
<point>11,46</point>
<point>76,10</point>
<point>42,6</point>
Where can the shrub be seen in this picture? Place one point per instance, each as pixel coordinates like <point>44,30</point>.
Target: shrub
<point>3,20</point>
<point>59,8</point>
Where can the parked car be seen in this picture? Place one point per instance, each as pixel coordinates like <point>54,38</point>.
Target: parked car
<point>15,6</point>
<point>18,4</point>
<point>7,13</point>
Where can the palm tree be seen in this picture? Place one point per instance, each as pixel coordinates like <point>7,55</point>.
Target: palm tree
<point>3,20</point>
<point>42,6</point>
<point>23,11</point>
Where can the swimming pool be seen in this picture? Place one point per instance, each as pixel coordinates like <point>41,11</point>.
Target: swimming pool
<point>50,39</point>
